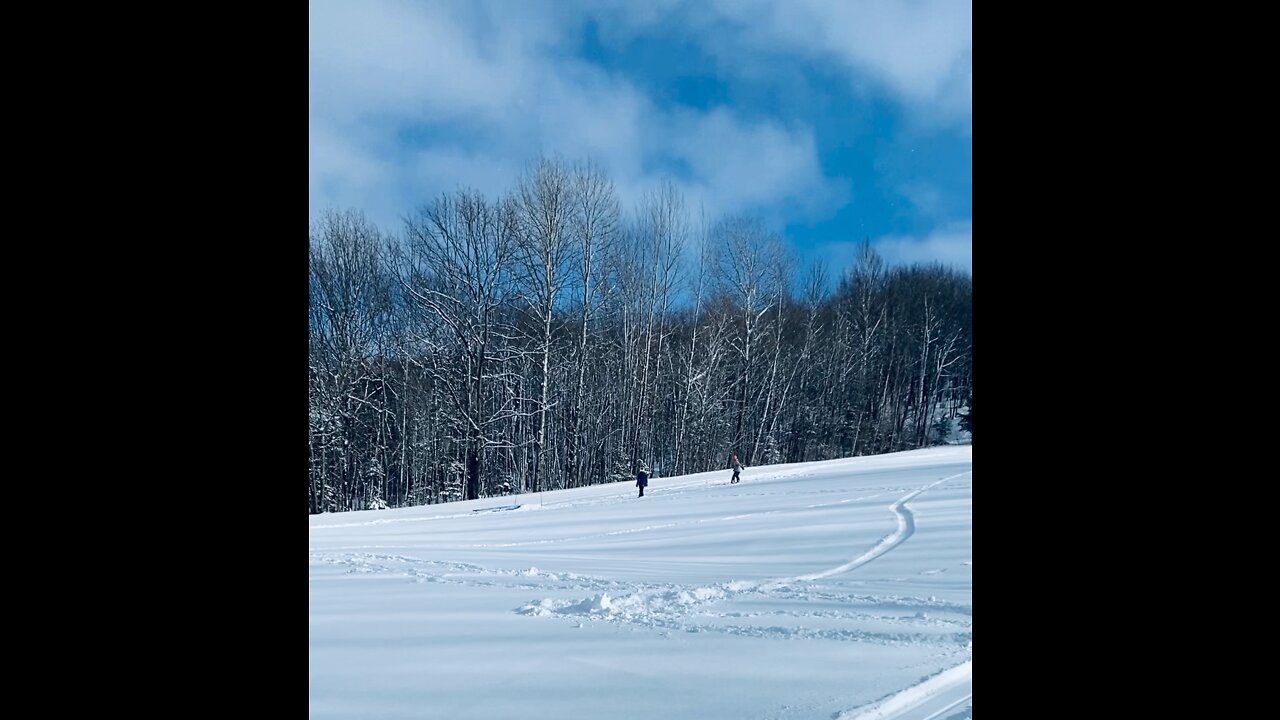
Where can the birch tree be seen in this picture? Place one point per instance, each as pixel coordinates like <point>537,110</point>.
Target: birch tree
<point>545,200</point>
<point>457,272</point>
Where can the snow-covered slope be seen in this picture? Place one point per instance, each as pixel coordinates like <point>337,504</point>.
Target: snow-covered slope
<point>812,590</point>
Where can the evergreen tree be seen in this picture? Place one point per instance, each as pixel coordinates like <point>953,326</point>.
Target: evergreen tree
<point>621,468</point>
<point>942,430</point>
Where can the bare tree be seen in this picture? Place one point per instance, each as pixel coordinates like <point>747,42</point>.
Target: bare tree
<point>779,276</point>
<point>545,200</point>
<point>349,306</point>
<point>662,231</point>
<point>800,362</point>
<point>537,341</point>
<point>457,270</point>
<point>692,375</point>
<point>595,222</point>
<point>749,253</point>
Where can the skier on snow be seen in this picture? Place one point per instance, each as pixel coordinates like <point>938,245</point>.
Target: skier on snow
<point>642,478</point>
<point>737,467</point>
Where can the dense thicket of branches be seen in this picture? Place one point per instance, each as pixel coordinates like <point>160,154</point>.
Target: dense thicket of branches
<point>549,339</point>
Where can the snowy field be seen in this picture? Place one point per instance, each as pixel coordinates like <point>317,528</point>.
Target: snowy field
<point>839,589</point>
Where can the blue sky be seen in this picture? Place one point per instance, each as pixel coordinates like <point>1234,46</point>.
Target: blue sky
<point>832,120</point>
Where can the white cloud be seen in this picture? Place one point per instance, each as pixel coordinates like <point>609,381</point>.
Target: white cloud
<point>950,245</point>
<point>759,167</point>
<point>446,169</point>
<point>484,92</point>
<point>920,50</point>
<point>341,175</point>
<point>372,59</point>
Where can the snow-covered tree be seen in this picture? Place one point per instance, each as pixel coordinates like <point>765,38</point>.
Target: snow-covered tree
<point>454,473</point>
<point>545,339</point>
<point>620,469</point>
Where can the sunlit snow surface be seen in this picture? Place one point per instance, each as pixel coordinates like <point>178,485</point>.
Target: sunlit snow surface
<point>837,589</point>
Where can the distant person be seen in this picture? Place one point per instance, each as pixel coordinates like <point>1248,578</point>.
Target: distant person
<point>642,479</point>
<point>737,467</point>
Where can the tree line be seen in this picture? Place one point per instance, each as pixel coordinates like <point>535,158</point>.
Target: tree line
<point>547,339</point>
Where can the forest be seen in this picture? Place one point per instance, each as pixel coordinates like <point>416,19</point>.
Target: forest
<point>552,338</point>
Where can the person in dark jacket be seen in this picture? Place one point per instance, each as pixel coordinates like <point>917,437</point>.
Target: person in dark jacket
<point>642,479</point>
<point>737,467</point>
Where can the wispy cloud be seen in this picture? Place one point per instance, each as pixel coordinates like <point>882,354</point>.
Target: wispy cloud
<point>919,51</point>
<point>479,98</point>
<point>950,245</point>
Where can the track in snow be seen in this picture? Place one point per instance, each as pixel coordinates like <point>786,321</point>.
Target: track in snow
<point>926,700</point>
<point>906,528</point>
